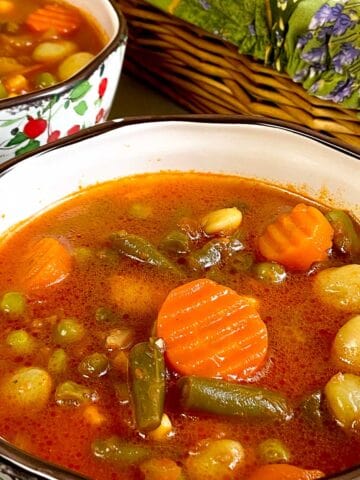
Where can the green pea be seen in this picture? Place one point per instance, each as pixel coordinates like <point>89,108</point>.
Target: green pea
<point>21,342</point>
<point>72,394</point>
<point>270,272</point>
<point>58,362</point>
<point>45,80</point>
<point>13,303</point>
<point>3,91</point>
<point>95,365</point>
<point>273,450</point>
<point>83,255</point>
<point>68,331</point>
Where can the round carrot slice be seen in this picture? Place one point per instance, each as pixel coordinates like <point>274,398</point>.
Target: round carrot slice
<point>211,331</point>
<point>284,472</point>
<point>297,239</point>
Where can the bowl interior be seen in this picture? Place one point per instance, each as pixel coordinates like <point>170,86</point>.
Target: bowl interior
<point>269,153</point>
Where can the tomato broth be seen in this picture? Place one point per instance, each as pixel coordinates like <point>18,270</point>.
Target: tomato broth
<point>106,292</point>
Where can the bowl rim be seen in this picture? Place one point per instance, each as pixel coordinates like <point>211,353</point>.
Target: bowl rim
<point>63,87</point>
<point>114,124</point>
<point>13,456</point>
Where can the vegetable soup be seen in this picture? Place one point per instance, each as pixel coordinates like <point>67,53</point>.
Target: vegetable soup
<point>183,326</point>
<point>42,43</point>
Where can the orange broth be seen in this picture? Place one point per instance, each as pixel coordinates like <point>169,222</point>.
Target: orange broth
<point>300,328</point>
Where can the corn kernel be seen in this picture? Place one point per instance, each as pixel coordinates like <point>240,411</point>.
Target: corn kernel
<point>222,222</point>
<point>163,431</point>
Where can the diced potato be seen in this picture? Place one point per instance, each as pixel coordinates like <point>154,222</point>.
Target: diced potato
<point>27,389</point>
<point>93,416</point>
<point>135,295</point>
<point>120,339</point>
<point>53,52</point>
<point>163,431</point>
<point>340,287</point>
<point>120,363</point>
<point>16,83</point>
<point>346,346</point>
<point>73,64</point>
<point>218,460</point>
<point>343,399</point>
<point>9,65</point>
<point>161,469</point>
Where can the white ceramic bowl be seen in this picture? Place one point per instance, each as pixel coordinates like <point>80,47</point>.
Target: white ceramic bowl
<point>82,101</point>
<point>256,148</point>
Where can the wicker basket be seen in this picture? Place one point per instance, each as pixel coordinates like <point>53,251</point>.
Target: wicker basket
<point>207,75</point>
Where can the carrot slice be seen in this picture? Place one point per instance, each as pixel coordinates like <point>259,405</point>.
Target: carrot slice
<point>63,19</point>
<point>211,331</point>
<point>297,239</point>
<point>45,263</point>
<point>284,472</point>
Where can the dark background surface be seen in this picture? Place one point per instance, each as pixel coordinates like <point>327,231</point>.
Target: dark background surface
<point>134,98</point>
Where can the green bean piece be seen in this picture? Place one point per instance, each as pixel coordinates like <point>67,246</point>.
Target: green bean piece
<point>3,91</point>
<point>312,410</point>
<point>346,238</point>
<point>273,450</point>
<point>13,303</point>
<point>207,256</point>
<point>270,272</point>
<point>68,331</point>
<point>241,262</point>
<point>94,366</point>
<point>58,362</point>
<point>147,384</point>
<point>176,242</point>
<point>72,394</point>
<point>139,249</point>
<point>45,80</point>
<point>21,342</point>
<point>115,450</point>
<point>224,398</point>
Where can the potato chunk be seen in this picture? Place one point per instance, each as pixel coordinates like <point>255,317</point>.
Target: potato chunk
<point>343,398</point>
<point>346,347</point>
<point>339,287</point>
<point>135,295</point>
<point>27,389</point>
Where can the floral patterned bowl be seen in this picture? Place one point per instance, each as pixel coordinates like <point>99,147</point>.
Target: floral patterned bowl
<point>38,118</point>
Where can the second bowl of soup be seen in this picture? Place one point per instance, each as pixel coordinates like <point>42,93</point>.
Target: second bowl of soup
<point>60,63</point>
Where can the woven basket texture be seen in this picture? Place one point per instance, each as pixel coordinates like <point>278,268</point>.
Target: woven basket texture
<point>207,75</point>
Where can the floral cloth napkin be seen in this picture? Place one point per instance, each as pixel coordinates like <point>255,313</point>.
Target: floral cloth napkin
<point>316,42</point>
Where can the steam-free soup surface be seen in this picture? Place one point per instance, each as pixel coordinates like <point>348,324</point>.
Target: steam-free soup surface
<point>77,318</point>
